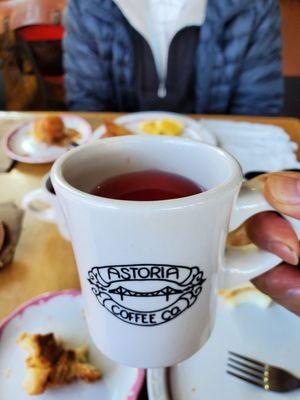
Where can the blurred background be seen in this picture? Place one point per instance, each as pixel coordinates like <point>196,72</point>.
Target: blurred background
<point>31,70</point>
<point>290,10</point>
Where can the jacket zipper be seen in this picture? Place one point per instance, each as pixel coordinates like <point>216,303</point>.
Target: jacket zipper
<point>162,89</point>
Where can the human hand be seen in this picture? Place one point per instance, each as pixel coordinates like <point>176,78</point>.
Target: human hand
<point>273,233</point>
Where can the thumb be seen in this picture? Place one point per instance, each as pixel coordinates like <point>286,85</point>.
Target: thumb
<point>282,190</point>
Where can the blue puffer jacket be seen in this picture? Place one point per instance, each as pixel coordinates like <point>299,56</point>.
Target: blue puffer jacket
<point>238,60</point>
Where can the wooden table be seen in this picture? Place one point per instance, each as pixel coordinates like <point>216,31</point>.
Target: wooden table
<point>44,260</point>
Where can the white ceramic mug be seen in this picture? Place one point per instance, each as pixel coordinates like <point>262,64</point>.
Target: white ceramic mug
<point>52,213</point>
<point>149,270</point>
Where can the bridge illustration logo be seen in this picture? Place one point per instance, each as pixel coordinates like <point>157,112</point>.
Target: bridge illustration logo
<point>146,294</point>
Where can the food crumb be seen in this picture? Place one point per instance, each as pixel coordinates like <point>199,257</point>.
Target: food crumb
<point>50,364</point>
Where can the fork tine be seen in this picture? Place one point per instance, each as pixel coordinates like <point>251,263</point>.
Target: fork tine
<point>243,364</point>
<point>246,372</point>
<point>243,378</point>
<point>260,364</point>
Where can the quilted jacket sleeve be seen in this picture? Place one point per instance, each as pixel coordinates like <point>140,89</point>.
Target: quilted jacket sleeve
<point>88,80</point>
<point>260,86</point>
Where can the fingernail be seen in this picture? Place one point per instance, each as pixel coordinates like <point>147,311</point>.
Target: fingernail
<point>292,300</point>
<point>284,252</point>
<point>284,189</point>
<point>294,293</point>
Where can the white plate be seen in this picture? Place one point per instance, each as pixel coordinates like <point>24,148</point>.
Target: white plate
<point>192,129</point>
<point>21,146</point>
<point>62,314</point>
<point>270,335</point>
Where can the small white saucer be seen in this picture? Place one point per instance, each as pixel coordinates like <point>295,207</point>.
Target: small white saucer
<point>269,335</point>
<point>62,314</point>
<point>21,146</point>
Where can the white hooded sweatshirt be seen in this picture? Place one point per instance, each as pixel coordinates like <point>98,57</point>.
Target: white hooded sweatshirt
<point>158,21</point>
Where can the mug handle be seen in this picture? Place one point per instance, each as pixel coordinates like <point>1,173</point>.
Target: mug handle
<point>46,214</point>
<point>247,262</point>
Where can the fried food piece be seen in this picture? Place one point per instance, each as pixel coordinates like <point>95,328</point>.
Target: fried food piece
<point>51,130</point>
<point>49,364</point>
<point>113,130</point>
<point>71,135</point>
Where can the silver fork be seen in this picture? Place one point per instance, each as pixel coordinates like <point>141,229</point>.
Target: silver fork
<point>265,376</point>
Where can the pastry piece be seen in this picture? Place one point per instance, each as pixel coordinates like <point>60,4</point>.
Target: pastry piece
<point>113,130</point>
<point>50,364</point>
<point>51,130</point>
<point>246,293</point>
<point>48,130</point>
<point>238,237</point>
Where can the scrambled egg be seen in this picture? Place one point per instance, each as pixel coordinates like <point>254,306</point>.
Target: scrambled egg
<point>162,127</point>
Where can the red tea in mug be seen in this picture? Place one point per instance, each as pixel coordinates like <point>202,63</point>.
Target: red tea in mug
<point>147,185</point>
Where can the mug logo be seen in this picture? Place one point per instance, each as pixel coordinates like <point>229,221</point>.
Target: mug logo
<point>146,294</point>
